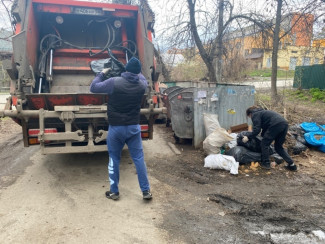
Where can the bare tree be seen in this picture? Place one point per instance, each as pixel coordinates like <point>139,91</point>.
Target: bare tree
<point>275,49</point>
<point>203,24</point>
<point>6,5</point>
<point>208,59</point>
<point>308,7</point>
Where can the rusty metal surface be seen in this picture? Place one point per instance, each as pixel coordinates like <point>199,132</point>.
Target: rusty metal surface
<point>49,101</point>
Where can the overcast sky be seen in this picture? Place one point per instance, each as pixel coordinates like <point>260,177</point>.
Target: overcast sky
<point>164,9</point>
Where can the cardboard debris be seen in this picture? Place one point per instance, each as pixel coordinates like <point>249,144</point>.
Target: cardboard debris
<point>239,128</point>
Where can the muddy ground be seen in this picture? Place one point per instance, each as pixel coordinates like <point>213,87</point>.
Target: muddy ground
<point>257,206</point>
<point>44,197</point>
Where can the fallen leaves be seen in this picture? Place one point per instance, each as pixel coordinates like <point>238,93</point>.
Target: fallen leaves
<point>254,166</point>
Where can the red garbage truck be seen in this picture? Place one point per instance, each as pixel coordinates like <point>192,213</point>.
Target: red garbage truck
<point>54,44</point>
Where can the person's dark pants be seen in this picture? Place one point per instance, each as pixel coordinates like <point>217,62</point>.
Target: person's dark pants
<point>276,133</point>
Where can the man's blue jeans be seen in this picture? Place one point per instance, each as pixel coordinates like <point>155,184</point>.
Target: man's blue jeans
<point>116,139</point>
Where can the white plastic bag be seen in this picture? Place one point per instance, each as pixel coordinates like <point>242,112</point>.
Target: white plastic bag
<point>215,140</point>
<point>211,123</point>
<point>233,142</point>
<point>219,161</point>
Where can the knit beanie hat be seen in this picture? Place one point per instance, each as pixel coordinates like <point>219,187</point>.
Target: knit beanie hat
<point>133,66</point>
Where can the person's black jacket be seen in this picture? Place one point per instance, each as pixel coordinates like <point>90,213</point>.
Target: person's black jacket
<point>264,119</point>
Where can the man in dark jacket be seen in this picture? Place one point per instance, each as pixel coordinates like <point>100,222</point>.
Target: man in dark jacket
<point>123,110</point>
<point>274,128</point>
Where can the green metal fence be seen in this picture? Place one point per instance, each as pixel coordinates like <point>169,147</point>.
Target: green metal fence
<point>307,77</point>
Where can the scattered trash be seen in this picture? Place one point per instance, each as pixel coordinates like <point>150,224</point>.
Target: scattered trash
<point>315,138</point>
<point>254,144</point>
<point>233,142</point>
<point>319,234</point>
<point>239,128</point>
<point>254,165</point>
<point>310,127</point>
<point>297,133</point>
<point>243,155</point>
<point>301,139</point>
<point>276,158</point>
<point>216,140</point>
<point>211,123</point>
<point>273,165</point>
<point>219,161</point>
<point>298,148</point>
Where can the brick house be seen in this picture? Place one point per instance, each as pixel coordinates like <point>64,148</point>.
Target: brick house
<point>295,48</point>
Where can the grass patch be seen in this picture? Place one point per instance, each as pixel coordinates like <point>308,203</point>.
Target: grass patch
<point>312,95</point>
<point>317,94</point>
<point>268,73</point>
<point>264,97</point>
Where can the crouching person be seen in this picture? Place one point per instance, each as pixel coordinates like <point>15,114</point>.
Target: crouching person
<point>274,128</point>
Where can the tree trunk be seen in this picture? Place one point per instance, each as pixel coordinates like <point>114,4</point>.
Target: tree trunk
<point>219,42</point>
<point>204,55</point>
<point>275,51</point>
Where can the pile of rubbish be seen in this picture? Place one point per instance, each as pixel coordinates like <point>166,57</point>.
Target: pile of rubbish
<point>227,150</point>
<point>306,135</point>
<point>314,135</point>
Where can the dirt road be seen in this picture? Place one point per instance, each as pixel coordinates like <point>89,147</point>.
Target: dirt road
<point>60,199</point>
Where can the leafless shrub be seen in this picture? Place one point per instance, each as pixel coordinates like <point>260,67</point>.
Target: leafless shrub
<point>234,68</point>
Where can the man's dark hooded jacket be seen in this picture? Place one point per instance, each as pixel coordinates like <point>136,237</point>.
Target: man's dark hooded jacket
<point>264,119</point>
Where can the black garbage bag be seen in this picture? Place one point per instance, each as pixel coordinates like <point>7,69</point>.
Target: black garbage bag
<point>276,158</point>
<point>244,156</point>
<point>254,144</point>
<point>296,129</point>
<point>298,148</point>
<point>301,139</point>
<point>100,64</point>
<point>297,133</point>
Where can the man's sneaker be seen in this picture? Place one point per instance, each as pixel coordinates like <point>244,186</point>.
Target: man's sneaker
<point>147,195</point>
<point>112,195</point>
<point>266,165</point>
<point>291,167</point>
